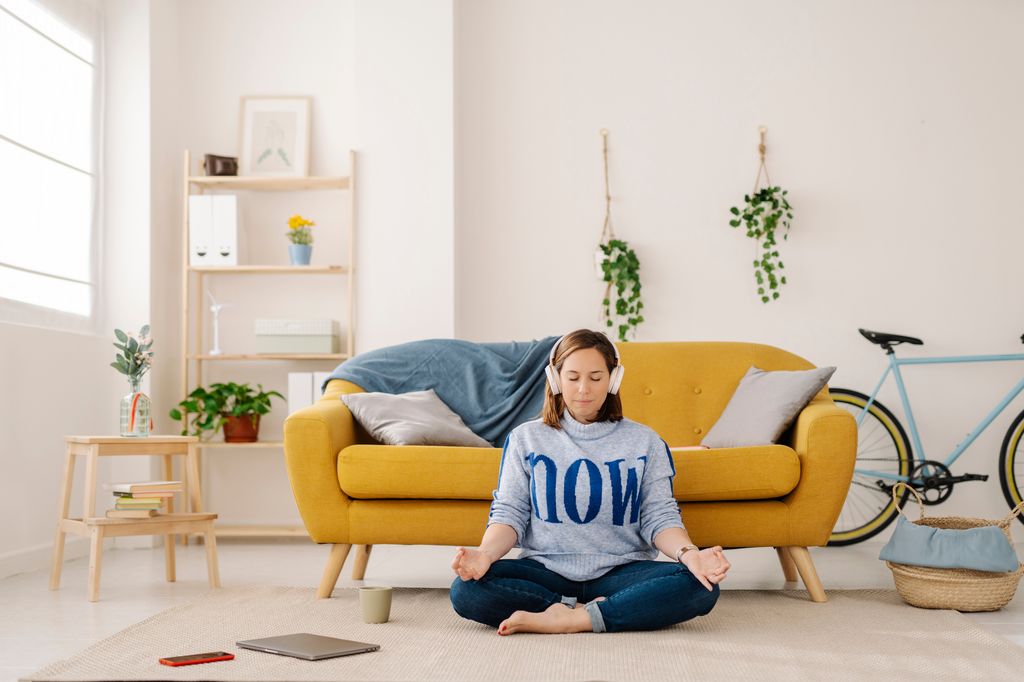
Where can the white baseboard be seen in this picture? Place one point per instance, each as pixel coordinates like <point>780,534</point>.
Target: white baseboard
<point>38,557</point>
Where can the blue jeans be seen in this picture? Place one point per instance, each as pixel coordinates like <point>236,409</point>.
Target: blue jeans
<point>642,595</point>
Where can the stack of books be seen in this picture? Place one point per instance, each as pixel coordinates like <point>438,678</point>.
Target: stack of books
<point>141,500</point>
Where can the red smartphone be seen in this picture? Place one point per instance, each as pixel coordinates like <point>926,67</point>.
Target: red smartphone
<point>192,659</point>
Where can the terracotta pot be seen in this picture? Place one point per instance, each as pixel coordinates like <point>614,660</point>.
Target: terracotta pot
<point>241,429</point>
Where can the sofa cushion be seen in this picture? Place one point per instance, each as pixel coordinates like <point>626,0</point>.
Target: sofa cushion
<point>764,405</point>
<point>415,418</point>
<point>426,472</point>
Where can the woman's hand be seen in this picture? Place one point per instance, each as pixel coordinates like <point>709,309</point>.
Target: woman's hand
<point>709,565</point>
<point>471,564</point>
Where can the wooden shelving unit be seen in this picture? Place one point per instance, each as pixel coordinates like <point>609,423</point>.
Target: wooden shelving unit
<point>192,359</point>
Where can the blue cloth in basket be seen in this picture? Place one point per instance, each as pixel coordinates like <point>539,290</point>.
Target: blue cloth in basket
<point>981,549</point>
<point>494,387</point>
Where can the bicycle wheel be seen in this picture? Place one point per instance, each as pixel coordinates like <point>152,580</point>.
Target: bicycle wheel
<point>1011,463</point>
<point>882,446</point>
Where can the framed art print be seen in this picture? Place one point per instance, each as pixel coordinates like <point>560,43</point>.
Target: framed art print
<point>275,136</point>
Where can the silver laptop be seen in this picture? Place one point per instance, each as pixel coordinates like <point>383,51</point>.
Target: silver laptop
<point>306,646</point>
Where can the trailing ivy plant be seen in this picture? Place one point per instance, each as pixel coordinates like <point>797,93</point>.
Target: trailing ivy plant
<point>621,270</point>
<point>763,213</point>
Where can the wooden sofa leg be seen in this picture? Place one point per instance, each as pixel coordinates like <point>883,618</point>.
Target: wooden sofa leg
<point>788,567</point>
<point>362,557</point>
<point>802,559</point>
<point>332,570</point>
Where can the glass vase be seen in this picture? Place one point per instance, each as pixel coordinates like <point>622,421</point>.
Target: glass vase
<point>135,412</point>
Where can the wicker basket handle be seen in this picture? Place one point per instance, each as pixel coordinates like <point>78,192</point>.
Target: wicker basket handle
<point>1012,515</point>
<point>920,503</point>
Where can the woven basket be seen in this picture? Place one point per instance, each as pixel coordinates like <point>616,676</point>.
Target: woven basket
<point>960,589</point>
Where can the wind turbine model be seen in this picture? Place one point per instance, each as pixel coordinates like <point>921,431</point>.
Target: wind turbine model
<point>215,308</point>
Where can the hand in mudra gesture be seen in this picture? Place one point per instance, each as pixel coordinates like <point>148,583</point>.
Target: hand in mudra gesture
<point>709,565</point>
<point>471,564</point>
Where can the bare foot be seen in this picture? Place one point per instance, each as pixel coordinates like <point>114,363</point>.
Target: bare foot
<point>555,618</point>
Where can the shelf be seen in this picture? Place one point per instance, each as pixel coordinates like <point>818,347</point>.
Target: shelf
<point>269,184</point>
<point>221,445</point>
<point>271,269</point>
<point>272,356</point>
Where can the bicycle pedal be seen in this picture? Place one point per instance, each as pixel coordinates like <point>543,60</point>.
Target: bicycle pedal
<point>966,477</point>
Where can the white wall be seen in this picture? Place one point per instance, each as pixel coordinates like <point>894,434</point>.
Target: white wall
<point>60,383</point>
<point>893,125</point>
<point>404,90</point>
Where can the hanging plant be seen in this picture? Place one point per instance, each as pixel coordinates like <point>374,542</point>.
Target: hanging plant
<point>620,269</point>
<point>763,213</point>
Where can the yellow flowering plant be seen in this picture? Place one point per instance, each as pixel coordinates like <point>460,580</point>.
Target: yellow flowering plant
<point>298,230</point>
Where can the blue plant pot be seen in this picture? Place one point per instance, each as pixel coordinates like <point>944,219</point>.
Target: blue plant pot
<point>299,253</point>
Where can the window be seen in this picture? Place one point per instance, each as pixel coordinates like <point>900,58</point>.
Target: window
<point>48,152</point>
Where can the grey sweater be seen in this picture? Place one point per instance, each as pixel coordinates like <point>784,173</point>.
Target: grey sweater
<point>585,498</point>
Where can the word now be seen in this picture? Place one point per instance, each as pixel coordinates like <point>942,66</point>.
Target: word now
<point>624,497</point>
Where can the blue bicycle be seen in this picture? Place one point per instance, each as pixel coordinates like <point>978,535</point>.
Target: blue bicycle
<point>885,455</point>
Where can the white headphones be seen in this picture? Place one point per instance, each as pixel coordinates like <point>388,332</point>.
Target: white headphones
<point>614,380</point>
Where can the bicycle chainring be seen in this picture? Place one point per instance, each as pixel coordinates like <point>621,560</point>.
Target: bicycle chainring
<point>930,479</point>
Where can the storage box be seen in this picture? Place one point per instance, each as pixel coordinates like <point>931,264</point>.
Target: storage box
<point>296,336</point>
<point>213,229</point>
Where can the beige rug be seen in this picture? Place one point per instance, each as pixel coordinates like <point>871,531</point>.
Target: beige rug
<point>751,635</point>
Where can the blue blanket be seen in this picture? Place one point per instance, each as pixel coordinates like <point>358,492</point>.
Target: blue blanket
<point>494,387</point>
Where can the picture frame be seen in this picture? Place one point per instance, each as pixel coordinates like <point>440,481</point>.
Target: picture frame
<point>274,136</point>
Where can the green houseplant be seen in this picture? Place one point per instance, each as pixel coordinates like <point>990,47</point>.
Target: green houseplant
<point>236,407</point>
<point>763,213</point>
<point>621,270</point>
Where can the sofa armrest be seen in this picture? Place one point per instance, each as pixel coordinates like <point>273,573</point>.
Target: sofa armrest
<point>825,439</point>
<point>313,438</point>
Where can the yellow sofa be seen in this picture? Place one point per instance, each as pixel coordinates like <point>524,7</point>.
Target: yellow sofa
<point>353,491</point>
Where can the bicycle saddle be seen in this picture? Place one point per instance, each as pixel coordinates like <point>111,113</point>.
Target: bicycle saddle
<point>886,341</point>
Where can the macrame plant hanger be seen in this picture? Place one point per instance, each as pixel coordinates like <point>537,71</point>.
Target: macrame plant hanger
<point>607,230</point>
<point>757,182</point>
<point>763,167</point>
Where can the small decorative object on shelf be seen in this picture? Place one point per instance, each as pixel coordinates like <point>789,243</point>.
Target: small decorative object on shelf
<point>236,407</point>
<point>215,308</point>
<point>620,268</point>
<point>134,361</point>
<point>763,212</point>
<point>220,165</point>
<point>301,238</point>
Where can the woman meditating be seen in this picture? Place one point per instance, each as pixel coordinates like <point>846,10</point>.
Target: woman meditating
<point>587,495</point>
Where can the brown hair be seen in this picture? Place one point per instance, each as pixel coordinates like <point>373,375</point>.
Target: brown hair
<point>554,405</point>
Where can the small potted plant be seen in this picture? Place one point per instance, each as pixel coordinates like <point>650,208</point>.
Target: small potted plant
<point>236,407</point>
<point>301,238</point>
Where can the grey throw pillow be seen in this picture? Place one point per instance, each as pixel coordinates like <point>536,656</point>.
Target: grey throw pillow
<point>417,418</point>
<point>764,405</point>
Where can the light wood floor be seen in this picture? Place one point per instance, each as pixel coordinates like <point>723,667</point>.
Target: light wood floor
<point>38,626</point>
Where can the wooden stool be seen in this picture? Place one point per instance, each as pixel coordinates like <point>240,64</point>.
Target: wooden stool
<point>96,528</point>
